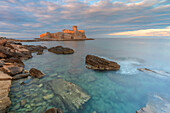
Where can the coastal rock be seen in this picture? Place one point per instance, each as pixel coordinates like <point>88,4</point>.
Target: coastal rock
<point>36,73</point>
<point>61,50</point>
<point>146,70</point>
<point>2,55</point>
<point>17,51</point>
<point>70,94</point>
<point>35,48</point>
<point>1,63</point>
<point>15,61</point>
<point>54,110</point>
<point>97,63</point>
<point>20,76</point>
<point>3,42</point>
<point>5,83</point>
<point>12,69</point>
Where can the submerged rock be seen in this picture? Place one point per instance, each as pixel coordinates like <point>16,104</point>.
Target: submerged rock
<point>156,104</point>
<point>70,94</point>
<point>36,73</point>
<point>97,63</point>
<point>54,110</point>
<point>61,50</point>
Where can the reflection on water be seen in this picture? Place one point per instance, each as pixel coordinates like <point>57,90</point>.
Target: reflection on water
<point>124,91</point>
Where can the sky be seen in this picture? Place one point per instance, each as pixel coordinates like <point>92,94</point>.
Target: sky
<point>99,18</point>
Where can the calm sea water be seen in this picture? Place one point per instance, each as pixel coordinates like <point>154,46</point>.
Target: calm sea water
<point>123,91</point>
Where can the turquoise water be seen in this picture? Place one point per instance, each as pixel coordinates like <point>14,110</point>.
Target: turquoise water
<point>123,91</point>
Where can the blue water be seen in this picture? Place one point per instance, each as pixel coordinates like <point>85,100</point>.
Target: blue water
<point>123,91</point>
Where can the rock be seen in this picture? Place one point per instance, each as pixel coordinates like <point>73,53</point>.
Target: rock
<point>26,71</point>
<point>12,69</point>
<point>37,48</point>
<point>1,63</point>
<point>2,55</point>
<point>54,110</point>
<point>47,97</point>
<point>15,61</point>
<point>5,84</point>
<point>36,73</point>
<point>22,102</point>
<point>154,71</point>
<point>20,76</point>
<point>17,51</point>
<point>70,94</point>
<point>3,42</point>
<point>61,50</point>
<point>97,63</point>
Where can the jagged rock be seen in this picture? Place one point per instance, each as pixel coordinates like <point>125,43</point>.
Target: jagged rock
<point>17,51</point>
<point>12,69</point>
<point>36,73</point>
<point>1,63</point>
<point>3,42</point>
<point>37,48</point>
<point>97,63</point>
<point>54,110</point>
<point>70,94</point>
<point>5,84</point>
<point>15,61</point>
<point>20,76</point>
<point>2,55</point>
<point>61,50</point>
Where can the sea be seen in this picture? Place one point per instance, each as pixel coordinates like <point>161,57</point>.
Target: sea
<point>124,91</point>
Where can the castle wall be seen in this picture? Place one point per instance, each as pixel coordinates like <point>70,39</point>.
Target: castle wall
<point>67,31</point>
<point>81,31</point>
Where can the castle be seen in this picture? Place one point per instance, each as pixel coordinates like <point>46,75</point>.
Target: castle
<point>66,34</point>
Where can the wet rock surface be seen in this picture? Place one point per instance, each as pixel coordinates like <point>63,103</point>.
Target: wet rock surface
<point>36,73</point>
<point>61,50</point>
<point>54,110</point>
<point>72,96</point>
<point>97,63</point>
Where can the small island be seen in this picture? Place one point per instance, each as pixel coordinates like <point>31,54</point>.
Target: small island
<point>66,34</point>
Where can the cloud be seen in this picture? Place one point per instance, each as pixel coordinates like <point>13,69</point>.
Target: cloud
<point>146,32</point>
<point>97,17</point>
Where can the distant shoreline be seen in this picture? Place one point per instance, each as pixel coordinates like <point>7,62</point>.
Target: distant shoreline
<point>39,39</point>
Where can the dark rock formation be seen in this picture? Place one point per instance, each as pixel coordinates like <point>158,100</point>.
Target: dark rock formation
<point>37,48</point>
<point>54,110</point>
<point>20,76</point>
<point>36,73</point>
<point>97,63</point>
<point>70,94</point>
<point>61,50</point>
